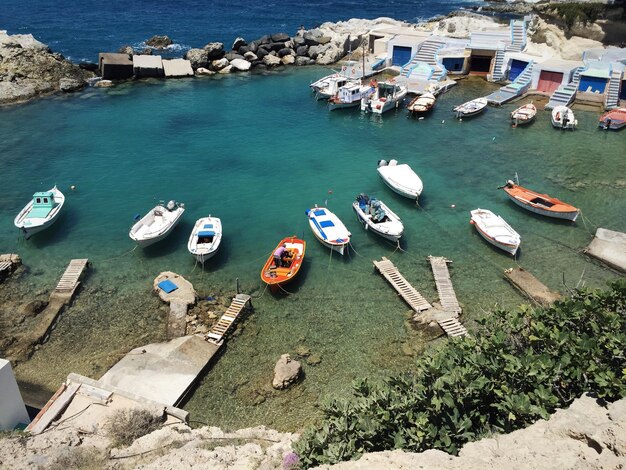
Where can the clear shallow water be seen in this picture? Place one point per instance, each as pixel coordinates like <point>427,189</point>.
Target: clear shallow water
<point>256,151</point>
<point>82,29</point>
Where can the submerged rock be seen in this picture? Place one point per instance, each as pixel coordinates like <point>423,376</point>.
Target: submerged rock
<point>286,372</point>
<point>159,42</point>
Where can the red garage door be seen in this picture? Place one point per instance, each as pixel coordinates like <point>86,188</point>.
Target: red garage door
<point>549,81</point>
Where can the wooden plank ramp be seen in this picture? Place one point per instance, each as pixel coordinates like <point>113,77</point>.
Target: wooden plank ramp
<point>69,280</point>
<point>401,285</point>
<point>449,320</point>
<point>5,266</point>
<point>219,330</point>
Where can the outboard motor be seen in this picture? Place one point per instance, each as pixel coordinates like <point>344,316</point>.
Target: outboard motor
<point>171,205</point>
<point>565,121</point>
<point>363,201</point>
<point>382,163</point>
<point>393,162</point>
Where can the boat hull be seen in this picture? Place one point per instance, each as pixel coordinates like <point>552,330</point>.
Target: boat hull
<point>145,240</point>
<point>572,216</point>
<point>383,230</point>
<point>278,276</point>
<point>332,106</point>
<point>204,251</point>
<point>412,190</point>
<point>510,249</point>
<point>495,230</point>
<point>328,229</point>
<point>29,229</point>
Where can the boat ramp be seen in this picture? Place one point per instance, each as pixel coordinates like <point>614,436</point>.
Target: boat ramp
<point>8,264</point>
<point>228,319</point>
<point>448,317</point>
<point>531,287</point>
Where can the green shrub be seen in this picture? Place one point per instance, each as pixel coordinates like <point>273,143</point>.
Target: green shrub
<point>126,425</point>
<point>583,12</point>
<point>519,367</point>
<point>79,458</point>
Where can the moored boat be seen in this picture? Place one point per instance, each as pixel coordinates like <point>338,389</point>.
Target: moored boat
<point>400,178</point>
<point>386,96</point>
<point>375,216</point>
<point>349,96</point>
<point>540,203</point>
<point>328,229</point>
<point>332,86</point>
<point>563,118</point>
<point>205,238</point>
<point>278,271</point>
<point>422,104</point>
<point>470,108</point>
<point>40,212</point>
<point>614,119</point>
<point>495,230</point>
<point>523,115</point>
<point>157,224</point>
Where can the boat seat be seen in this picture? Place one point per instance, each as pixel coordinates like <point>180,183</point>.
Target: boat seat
<point>327,223</point>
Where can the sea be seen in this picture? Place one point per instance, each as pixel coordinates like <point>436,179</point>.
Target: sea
<point>257,150</point>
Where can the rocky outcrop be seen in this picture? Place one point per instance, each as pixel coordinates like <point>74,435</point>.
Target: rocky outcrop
<point>586,435</point>
<point>159,42</point>
<point>199,58</point>
<point>286,372</point>
<point>29,69</point>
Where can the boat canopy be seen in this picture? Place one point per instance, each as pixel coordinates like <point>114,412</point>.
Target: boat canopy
<point>43,203</point>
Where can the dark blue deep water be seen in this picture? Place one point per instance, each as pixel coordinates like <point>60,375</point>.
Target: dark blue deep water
<point>80,30</point>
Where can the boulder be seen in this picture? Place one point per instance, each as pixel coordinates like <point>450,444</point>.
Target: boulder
<point>126,50</point>
<point>302,50</point>
<point>184,293</point>
<point>311,37</point>
<point>104,84</point>
<point>215,50</point>
<point>253,46</point>
<point>264,40</point>
<point>286,51</point>
<point>298,41</point>
<point>271,61</point>
<point>276,46</point>
<point>69,85</point>
<point>280,37</point>
<point>261,52</point>
<point>288,60</point>
<point>301,60</point>
<point>199,58</point>
<point>219,64</point>
<point>250,56</point>
<point>242,50</point>
<point>232,56</point>
<point>90,66</point>
<point>330,55</point>
<point>238,43</point>
<point>286,372</point>
<point>227,69</point>
<point>159,42</point>
<point>241,64</point>
<point>314,51</point>
<point>204,71</point>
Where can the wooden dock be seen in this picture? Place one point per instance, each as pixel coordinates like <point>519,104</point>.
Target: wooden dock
<point>400,284</point>
<point>70,279</point>
<point>8,263</point>
<point>219,330</point>
<point>449,319</point>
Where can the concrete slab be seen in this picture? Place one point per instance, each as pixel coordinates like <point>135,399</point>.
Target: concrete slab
<point>162,372</point>
<point>531,287</point>
<point>177,68</point>
<point>147,66</point>
<point>184,294</point>
<point>114,66</point>
<point>609,247</point>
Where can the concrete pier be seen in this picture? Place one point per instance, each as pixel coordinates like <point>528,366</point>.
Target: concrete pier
<point>609,247</point>
<point>531,287</point>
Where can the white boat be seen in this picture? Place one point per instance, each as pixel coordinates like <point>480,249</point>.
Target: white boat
<point>386,96</point>
<point>422,104</point>
<point>332,85</point>
<point>563,118</point>
<point>495,230</point>
<point>377,217</point>
<point>400,178</point>
<point>41,212</point>
<point>157,224</point>
<point>328,229</point>
<point>350,69</point>
<point>470,108</point>
<point>205,238</point>
<point>523,115</point>
<point>349,96</point>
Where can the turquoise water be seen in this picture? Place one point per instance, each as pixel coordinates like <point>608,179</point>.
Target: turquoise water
<point>256,151</point>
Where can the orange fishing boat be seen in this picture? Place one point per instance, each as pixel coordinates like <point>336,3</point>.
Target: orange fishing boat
<point>540,203</point>
<point>614,119</point>
<point>279,271</point>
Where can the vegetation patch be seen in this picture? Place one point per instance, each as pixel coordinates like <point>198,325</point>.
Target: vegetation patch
<point>89,458</point>
<point>571,13</point>
<point>126,425</point>
<point>519,367</point>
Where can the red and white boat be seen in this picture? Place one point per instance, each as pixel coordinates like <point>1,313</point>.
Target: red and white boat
<point>495,230</point>
<point>276,276</point>
<point>422,104</point>
<point>540,203</point>
<point>614,119</point>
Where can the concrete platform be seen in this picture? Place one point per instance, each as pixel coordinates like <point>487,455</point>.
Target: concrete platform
<point>531,287</point>
<point>162,372</point>
<point>609,247</point>
<point>174,68</point>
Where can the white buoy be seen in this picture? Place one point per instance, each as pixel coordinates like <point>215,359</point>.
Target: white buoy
<point>443,122</point>
<point>453,206</point>
<point>493,140</point>
<point>73,188</point>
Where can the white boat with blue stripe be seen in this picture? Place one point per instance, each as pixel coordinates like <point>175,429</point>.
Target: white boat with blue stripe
<point>205,238</point>
<point>328,229</point>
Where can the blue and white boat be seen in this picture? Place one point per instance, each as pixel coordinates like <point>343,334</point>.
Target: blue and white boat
<point>41,212</point>
<point>377,217</point>
<point>328,229</point>
<point>205,238</point>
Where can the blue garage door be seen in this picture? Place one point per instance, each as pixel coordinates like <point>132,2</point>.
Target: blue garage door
<point>454,64</point>
<point>592,84</point>
<point>517,67</point>
<point>401,55</point>
<point>622,95</point>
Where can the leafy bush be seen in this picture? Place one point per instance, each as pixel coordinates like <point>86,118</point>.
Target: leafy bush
<point>80,458</point>
<point>518,368</point>
<point>584,12</point>
<point>129,424</point>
